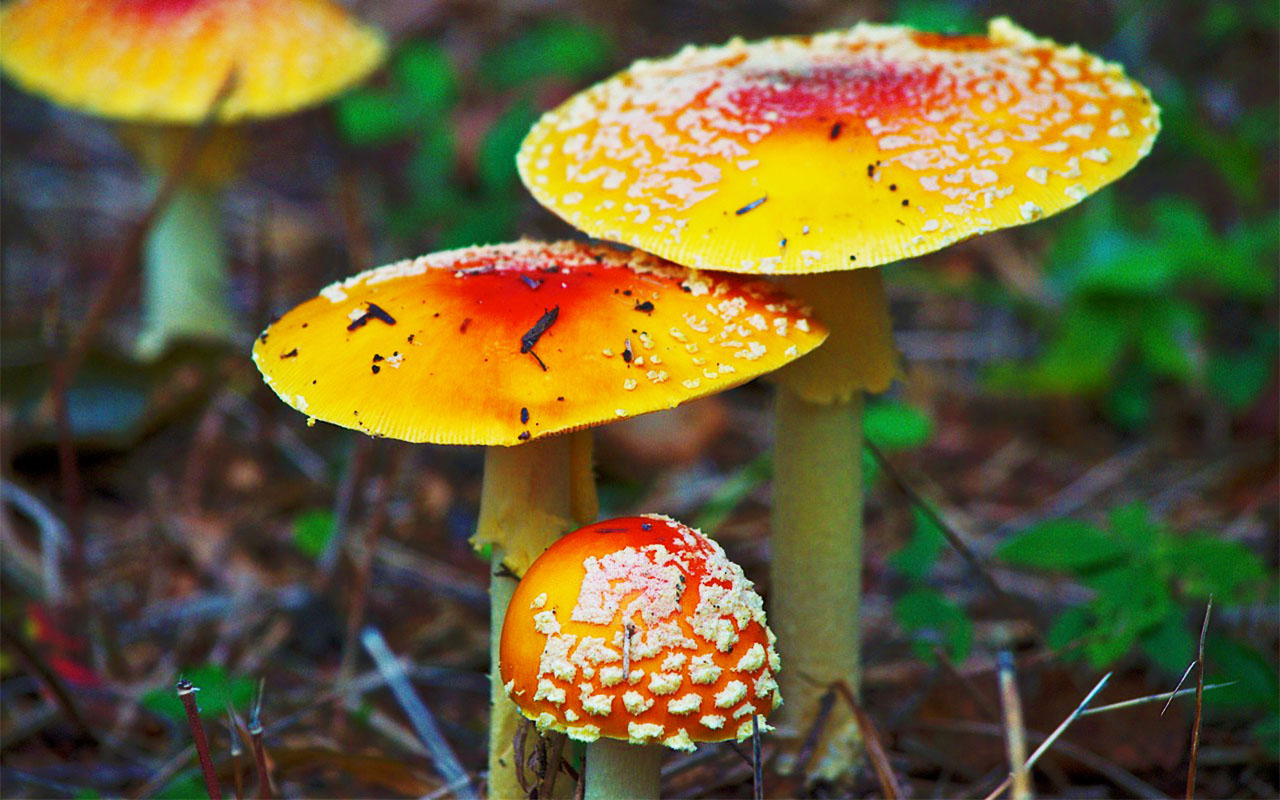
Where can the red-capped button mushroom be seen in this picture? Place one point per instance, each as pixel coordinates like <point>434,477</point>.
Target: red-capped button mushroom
<point>638,629</point>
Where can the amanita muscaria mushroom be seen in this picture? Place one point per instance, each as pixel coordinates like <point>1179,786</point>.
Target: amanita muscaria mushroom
<point>637,632</point>
<point>506,345</point>
<point>819,156</point>
<point>158,66</point>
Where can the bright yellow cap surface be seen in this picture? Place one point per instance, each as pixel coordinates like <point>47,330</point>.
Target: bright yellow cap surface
<point>847,149</point>
<point>165,60</point>
<point>501,344</point>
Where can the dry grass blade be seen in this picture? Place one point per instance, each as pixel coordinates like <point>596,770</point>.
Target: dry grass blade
<point>233,734</point>
<point>424,723</point>
<point>1053,737</point>
<point>1195,728</point>
<point>257,735</point>
<point>1153,698</point>
<point>1015,738</point>
<point>876,754</point>
<point>187,693</point>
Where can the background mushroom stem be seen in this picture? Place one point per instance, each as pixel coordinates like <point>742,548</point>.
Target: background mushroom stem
<point>816,567</point>
<point>185,290</point>
<point>616,769</point>
<point>185,259</point>
<point>528,500</point>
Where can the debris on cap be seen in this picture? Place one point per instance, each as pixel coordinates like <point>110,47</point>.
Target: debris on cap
<point>165,60</point>
<point>639,628</point>
<point>847,149</point>
<point>501,344</point>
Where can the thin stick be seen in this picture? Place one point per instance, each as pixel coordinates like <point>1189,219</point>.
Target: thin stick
<point>1015,738</point>
<point>1181,680</point>
<point>256,735</point>
<point>424,724</point>
<point>953,538</point>
<point>1195,728</point>
<point>187,693</point>
<point>876,754</point>
<point>237,770</point>
<point>1154,698</point>
<point>1053,737</point>
<point>757,763</point>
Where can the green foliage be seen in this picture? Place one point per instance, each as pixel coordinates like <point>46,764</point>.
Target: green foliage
<point>1136,287</point>
<point>1144,577</point>
<point>184,786</point>
<point>943,16</point>
<point>932,621</point>
<point>312,531</point>
<point>892,426</point>
<point>215,686</point>
<point>555,49</point>
<point>458,193</point>
<point>1150,588</point>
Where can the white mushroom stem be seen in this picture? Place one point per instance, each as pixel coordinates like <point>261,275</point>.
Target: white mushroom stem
<point>617,770</point>
<point>184,262</point>
<point>816,564</point>
<point>528,500</point>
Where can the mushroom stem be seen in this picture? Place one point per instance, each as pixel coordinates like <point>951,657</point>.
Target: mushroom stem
<point>185,291</point>
<point>526,503</point>
<point>816,565</point>
<point>617,770</point>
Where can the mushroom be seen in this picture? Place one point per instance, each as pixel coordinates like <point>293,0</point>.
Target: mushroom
<point>158,66</point>
<point>636,632</point>
<point>507,345</point>
<point>815,157</point>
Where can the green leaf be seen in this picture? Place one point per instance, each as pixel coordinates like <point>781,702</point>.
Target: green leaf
<point>1070,626</point>
<point>312,531</point>
<point>425,77</point>
<point>938,15</point>
<point>934,620</point>
<point>1239,378</point>
<point>185,785</point>
<point>1257,680</point>
<point>368,117</point>
<point>1206,565</point>
<point>1062,544</point>
<point>1132,524</point>
<point>1170,645</point>
<point>896,426</point>
<point>497,156</point>
<point>215,690</point>
<point>559,48</point>
<point>918,555</point>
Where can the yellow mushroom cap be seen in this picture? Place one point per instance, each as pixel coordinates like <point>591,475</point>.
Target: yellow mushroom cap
<point>500,344</point>
<point>165,60</point>
<point>847,149</point>
<point>639,628</point>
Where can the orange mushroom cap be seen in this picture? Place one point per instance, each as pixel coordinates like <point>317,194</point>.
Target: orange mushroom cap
<point>639,628</point>
<point>165,60</point>
<point>842,150</point>
<point>506,343</point>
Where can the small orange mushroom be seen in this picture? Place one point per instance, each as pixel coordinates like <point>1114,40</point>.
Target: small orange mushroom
<point>639,629</point>
<point>815,158</point>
